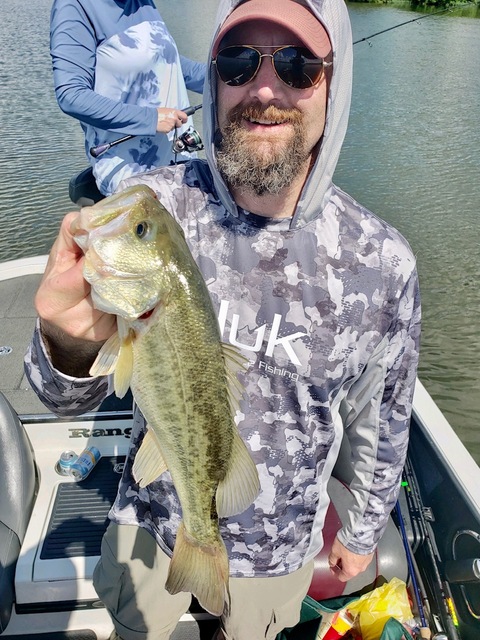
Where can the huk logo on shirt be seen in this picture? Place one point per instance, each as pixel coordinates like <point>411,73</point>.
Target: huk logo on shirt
<point>274,342</point>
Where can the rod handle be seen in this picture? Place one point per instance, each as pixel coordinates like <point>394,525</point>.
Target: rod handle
<point>97,151</point>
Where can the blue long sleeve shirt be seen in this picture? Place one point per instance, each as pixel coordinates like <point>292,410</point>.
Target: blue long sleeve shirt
<point>114,63</point>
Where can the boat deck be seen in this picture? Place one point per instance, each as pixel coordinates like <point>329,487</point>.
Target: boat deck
<point>445,477</point>
<point>17,320</point>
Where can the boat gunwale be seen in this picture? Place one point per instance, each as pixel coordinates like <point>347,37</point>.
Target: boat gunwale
<point>453,455</point>
<point>22,267</point>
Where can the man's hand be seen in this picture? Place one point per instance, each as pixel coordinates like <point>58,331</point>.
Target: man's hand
<point>63,298</point>
<point>73,329</point>
<point>345,564</point>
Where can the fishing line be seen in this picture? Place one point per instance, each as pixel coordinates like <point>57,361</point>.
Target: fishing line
<point>402,24</point>
<point>102,148</point>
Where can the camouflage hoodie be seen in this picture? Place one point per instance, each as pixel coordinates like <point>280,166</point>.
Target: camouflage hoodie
<point>326,307</point>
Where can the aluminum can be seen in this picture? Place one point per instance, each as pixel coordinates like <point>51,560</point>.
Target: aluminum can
<point>65,462</point>
<point>85,463</point>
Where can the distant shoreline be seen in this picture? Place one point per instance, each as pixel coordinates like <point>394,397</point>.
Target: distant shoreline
<point>457,8</point>
<point>424,4</point>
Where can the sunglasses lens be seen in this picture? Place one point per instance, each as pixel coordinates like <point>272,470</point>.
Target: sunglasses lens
<point>237,65</point>
<point>297,67</point>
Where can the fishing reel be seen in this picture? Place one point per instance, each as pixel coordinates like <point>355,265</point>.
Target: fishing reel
<point>189,142</point>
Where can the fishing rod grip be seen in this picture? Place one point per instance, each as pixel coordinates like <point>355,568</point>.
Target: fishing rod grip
<point>191,110</point>
<point>98,150</point>
<point>101,148</point>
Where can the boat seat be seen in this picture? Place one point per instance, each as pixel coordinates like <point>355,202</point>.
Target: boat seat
<point>83,189</point>
<point>17,496</point>
<point>389,560</point>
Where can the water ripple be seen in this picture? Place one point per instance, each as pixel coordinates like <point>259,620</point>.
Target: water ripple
<point>411,155</point>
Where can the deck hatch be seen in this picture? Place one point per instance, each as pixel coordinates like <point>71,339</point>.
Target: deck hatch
<point>79,515</point>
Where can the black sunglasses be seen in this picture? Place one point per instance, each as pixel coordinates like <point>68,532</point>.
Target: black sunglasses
<point>297,67</point>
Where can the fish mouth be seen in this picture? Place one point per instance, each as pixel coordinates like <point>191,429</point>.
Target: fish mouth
<point>144,320</point>
<point>121,305</point>
<point>111,290</point>
<point>97,264</point>
<point>147,314</point>
<point>105,270</point>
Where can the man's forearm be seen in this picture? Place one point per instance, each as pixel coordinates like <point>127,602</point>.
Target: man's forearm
<point>71,356</point>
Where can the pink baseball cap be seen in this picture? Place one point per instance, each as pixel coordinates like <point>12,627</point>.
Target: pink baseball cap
<point>288,13</point>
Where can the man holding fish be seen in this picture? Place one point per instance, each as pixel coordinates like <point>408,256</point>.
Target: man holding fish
<point>239,422</point>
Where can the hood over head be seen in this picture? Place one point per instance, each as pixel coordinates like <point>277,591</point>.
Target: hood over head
<point>292,15</point>
<point>333,15</point>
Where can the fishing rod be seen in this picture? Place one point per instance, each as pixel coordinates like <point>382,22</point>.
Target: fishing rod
<point>440,588</point>
<point>401,24</point>
<point>102,148</point>
<point>419,598</point>
<point>193,142</point>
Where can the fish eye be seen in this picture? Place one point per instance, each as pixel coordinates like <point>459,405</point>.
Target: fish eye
<point>141,230</point>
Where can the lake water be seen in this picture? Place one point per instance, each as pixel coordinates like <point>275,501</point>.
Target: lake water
<point>412,155</point>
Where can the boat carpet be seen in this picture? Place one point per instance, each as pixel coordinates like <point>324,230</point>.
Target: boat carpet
<point>80,512</point>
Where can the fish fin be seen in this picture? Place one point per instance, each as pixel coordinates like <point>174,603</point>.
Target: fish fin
<point>116,356</point>
<point>199,569</point>
<point>107,357</point>
<point>241,484</point>
<point>149,462</point>
<point>234,363</point>
<point>124,367</point>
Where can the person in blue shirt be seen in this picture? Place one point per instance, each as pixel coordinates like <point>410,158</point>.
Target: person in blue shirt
<point>116,68</point>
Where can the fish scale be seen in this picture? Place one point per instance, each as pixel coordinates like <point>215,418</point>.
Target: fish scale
<point>170,400</point>
<point>183,379</point>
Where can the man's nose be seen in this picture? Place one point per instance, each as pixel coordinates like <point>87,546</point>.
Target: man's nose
<point>266,86</point>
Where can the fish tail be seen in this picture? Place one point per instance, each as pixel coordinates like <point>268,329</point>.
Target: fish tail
<point>199,569</point>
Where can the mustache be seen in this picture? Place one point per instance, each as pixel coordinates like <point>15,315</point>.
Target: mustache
<point>257,112</point>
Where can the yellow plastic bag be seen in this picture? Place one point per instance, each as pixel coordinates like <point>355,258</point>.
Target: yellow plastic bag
<point>377,606</point>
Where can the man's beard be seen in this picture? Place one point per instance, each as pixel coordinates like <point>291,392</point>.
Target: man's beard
<point>258,163</point>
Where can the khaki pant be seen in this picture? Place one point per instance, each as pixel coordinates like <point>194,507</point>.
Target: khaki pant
<point>130,579</point>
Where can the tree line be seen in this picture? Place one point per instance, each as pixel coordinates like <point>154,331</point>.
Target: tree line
<point>430,4</point>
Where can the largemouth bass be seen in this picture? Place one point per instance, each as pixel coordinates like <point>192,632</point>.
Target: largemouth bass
<point>168,350</point>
